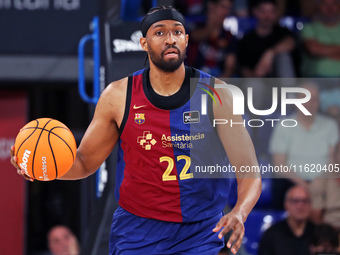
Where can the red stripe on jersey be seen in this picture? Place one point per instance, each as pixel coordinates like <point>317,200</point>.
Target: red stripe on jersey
<point>144,190</point>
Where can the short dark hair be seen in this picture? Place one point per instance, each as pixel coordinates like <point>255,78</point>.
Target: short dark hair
<point>159,8</point>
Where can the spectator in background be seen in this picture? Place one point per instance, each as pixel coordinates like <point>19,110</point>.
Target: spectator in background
<point>324,240</point>
<point>213,49</point>
<point>325,196</point>
<point>322,42</point>
<point>292,235</point>
<point>196,8</point>
<point>62,241</point>
<point>264,51</point>
<point>321,58</point>
<point>312,141</point>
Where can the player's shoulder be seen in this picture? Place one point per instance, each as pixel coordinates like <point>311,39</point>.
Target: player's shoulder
<point>115,88</point>
<point>223,89</point>
<point>119,87</point>
<point>113,97</point>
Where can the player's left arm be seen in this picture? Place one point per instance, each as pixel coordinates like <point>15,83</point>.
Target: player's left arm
<point>240,150</point>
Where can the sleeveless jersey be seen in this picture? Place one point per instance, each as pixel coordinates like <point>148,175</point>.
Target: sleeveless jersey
<point>158,143</point>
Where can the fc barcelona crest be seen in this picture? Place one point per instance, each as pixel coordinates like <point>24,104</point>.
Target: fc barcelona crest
<point>139,118</point>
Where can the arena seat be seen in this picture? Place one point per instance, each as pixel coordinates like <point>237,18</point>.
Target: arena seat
<point>257,223</point>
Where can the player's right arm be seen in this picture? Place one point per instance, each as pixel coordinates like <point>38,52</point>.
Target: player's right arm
<point>101,136</point>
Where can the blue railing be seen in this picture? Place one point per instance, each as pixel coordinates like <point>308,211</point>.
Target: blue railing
<point>95,37</point>
<point>96,63</point>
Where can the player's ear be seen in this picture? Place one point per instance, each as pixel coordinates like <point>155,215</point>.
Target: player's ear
<point>186,40</point>
<point>143,43</point>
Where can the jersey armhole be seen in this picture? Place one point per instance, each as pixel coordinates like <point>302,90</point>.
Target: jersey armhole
<point>127,104</point>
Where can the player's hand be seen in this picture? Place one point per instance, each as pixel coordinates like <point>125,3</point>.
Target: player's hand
<point>231,221</point>
<point>15,164</point>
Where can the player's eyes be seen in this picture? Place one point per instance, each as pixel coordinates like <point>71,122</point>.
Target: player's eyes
<point>178,32</point>
<point>159,33</point>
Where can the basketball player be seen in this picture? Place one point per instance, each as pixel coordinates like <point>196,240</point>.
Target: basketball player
<point>163,209</point>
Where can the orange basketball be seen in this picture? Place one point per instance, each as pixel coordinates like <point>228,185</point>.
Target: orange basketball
<point>45,149</point>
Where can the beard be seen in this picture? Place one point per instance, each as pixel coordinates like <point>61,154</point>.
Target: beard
<point>167,66</point>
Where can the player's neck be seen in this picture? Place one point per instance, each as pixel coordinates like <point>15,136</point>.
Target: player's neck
<point>164,83</point>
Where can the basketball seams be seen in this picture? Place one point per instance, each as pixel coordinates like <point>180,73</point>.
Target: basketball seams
<point>62,139</point>
<point>42,128</point>
<point>55,162</point>
<point>35,128</point>
<point>53,133</point>
<point>36,146</point>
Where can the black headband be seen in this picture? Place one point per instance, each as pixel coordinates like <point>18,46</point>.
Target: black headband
<point>167,14</point>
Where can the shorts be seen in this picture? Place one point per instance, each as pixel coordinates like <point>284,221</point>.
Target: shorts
<point>134,235</point>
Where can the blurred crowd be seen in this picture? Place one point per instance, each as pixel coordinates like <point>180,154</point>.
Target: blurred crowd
<point>268,45</point>
<point>298,44</point>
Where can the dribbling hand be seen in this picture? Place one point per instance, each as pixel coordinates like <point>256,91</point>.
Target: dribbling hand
<point>15,164</point>
<point>231,221</point>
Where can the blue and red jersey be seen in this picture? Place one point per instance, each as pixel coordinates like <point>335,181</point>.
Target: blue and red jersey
<point>161,140</point>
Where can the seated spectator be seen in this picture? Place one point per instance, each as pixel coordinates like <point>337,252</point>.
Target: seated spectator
<point>62,241</point>
<point>325,197</point>
<point>312,141</point>
<point>324,240</point>
<point>264,51</point>
<point>326,202</point>
<point>211,48</point>
<point>292,235</point>
<point>322,42</point>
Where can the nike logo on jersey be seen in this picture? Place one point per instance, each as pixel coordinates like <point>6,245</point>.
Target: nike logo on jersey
<point>137,107</point>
